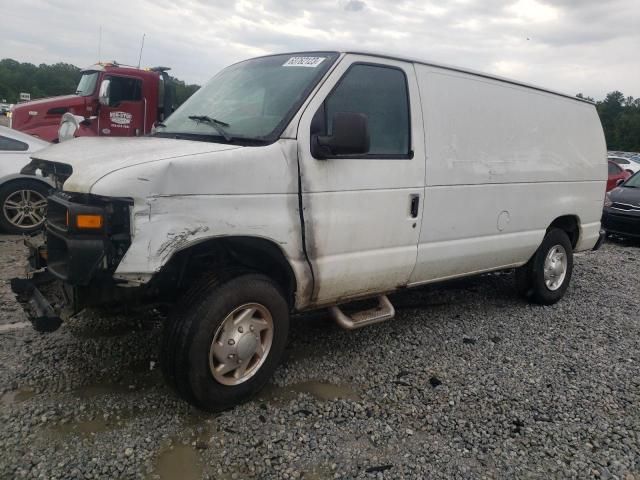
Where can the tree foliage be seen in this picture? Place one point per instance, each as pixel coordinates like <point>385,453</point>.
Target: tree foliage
<point>52,80</point>
<point>620,118</point>
<point>40,81</point>
<point>183,90</point>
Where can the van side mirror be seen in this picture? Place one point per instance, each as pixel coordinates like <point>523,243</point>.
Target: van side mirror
<point>350,137</point>
<point>103,94</point>
<point>619,182</point>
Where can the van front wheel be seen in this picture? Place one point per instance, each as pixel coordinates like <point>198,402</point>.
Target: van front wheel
<point>545,278</point>
<point>226,340</point>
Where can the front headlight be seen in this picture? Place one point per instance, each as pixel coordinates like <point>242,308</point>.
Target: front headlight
<point>607,200</point>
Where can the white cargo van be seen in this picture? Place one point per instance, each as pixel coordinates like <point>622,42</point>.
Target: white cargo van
<point>309,180</point>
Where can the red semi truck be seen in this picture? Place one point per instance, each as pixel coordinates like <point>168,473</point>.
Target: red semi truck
<point>111,100</point>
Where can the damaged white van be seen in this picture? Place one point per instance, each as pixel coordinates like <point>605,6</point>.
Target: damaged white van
<point>310,180</point>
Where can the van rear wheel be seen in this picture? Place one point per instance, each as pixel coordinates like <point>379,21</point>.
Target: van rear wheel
<point>225,340</point>
<point>544,279</point>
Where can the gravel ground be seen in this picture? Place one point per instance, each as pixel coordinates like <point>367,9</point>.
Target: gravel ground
<point>467,382</point>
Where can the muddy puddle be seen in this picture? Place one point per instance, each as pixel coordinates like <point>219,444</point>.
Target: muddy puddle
<point>16,396</point>
<point>177,461</point>
<point>323,391</point>
<point>89,427</point>
<point>318,473</point>
<point>82,427</point>
<point>126,384</point>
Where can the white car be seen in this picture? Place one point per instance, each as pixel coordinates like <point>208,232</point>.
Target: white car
<point>303,181</point>
<point>22,197</point>
<point>626,163</point>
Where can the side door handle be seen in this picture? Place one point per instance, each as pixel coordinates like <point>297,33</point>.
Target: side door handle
<point>415,205</point>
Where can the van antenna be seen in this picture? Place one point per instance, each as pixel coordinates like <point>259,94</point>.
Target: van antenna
<point>141,47</point>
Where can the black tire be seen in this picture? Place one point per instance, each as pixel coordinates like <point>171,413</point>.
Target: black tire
<point>530,281</point>
<point>191,328</point>
<point>10,189</point>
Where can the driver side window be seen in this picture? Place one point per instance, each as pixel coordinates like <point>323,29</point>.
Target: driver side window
<point>381,94</point>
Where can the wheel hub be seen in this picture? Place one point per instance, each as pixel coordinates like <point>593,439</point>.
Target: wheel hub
<point>241,344</point>
<point>247,346</point>
<point>555,267</point>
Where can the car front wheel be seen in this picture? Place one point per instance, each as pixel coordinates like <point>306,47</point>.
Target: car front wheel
<point>225,340</point>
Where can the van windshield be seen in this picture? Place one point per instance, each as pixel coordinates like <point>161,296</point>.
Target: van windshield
<point>87,84</point>
<point>251,100</point>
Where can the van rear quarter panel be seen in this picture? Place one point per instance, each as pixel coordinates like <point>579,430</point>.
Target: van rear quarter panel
<point>503,161</point>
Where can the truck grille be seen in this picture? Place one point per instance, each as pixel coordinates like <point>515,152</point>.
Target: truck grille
<point>625,207</point>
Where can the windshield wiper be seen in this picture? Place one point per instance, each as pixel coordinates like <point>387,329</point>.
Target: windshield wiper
<point>217,124</point>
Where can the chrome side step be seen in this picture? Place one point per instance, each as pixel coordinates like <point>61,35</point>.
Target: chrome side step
<point>384,311</point>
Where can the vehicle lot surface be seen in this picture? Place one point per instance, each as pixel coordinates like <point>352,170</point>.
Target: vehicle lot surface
<point>467,382</point>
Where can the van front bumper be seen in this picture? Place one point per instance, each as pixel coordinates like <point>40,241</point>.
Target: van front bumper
<point>73,268</point>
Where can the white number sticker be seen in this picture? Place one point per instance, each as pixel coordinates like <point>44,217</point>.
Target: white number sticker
<point>312,62</point>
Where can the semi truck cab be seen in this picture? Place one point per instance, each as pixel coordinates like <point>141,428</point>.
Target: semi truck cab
<point>110,100</point>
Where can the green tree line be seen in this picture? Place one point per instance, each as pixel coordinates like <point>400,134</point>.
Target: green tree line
<point>620,117</point>
<point>52,80</point>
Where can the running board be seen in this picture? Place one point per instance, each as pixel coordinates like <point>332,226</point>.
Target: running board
<point>384,311</point>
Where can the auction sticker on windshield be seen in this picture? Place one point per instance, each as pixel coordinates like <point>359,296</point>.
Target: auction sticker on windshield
<point>303,62</point>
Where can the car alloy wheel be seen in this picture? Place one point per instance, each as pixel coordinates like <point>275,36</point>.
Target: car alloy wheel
<point>25,209</point>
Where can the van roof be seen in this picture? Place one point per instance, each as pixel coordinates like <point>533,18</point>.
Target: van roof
<point>453,68</point>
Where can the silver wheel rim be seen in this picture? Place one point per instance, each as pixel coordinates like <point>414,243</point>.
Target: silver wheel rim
<point>25,209</point>
<point>555,267</point>
<point>241,344</point>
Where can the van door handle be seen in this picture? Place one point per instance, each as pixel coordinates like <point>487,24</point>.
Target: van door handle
<point>415,205</point>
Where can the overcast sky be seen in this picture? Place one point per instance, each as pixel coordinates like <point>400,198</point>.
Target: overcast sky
<point>589,46</point>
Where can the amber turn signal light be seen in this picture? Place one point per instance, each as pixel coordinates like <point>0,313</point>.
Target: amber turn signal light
<point>89,221</point>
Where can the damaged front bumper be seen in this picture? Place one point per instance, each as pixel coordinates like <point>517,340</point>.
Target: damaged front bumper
<point>72,269</point>
<point>42,313</point>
